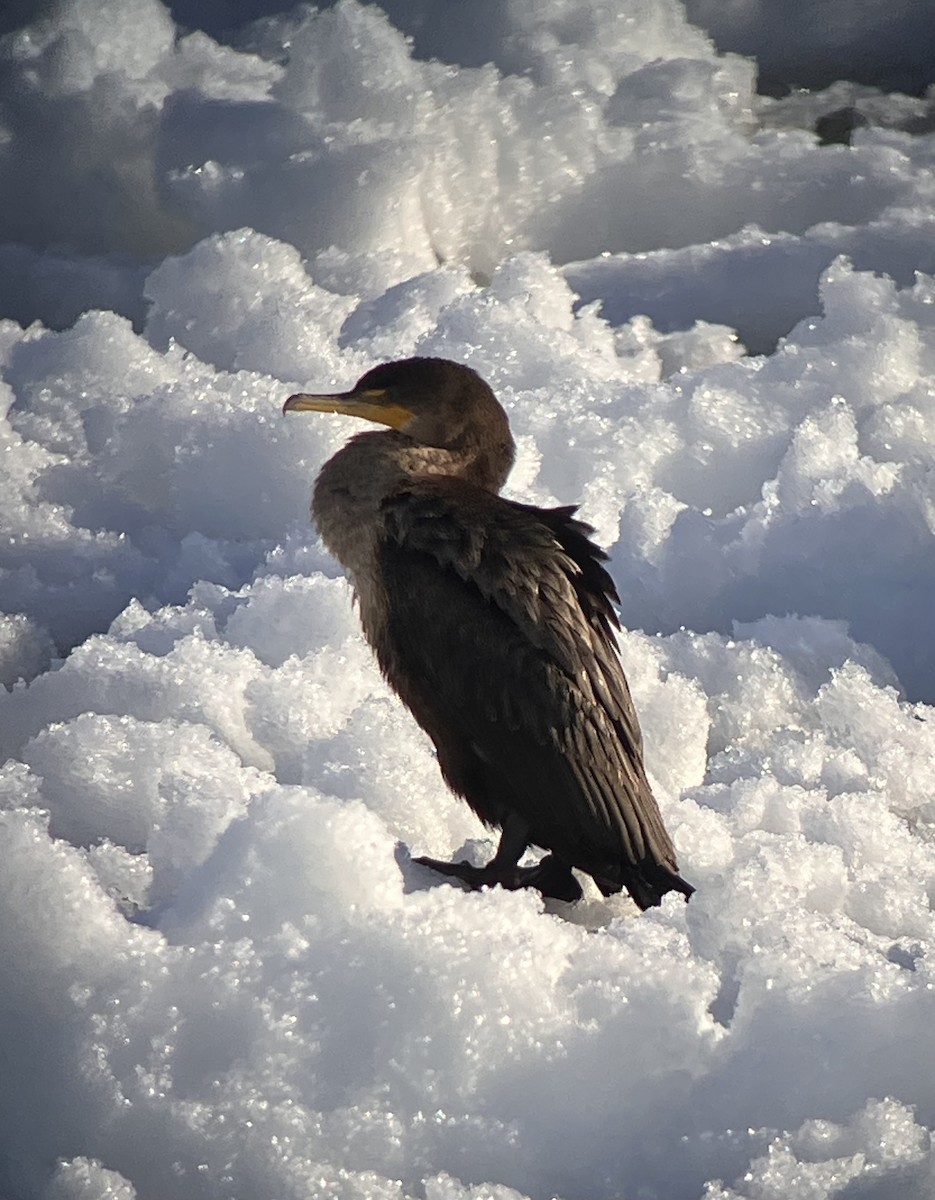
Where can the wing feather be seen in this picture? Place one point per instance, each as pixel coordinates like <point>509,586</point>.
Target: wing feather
<point>500,638</point>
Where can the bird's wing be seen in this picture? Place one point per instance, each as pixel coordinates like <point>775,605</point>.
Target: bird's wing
<point>500,639</point>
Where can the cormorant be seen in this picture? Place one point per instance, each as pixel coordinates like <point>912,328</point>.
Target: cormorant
<point>493,621</point>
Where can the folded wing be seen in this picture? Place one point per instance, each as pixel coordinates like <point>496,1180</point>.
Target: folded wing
<point>500,639</point>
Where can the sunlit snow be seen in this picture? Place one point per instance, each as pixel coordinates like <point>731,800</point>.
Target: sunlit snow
<point>223,979</point>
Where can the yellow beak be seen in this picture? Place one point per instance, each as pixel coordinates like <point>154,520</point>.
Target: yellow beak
<point>366,405</point>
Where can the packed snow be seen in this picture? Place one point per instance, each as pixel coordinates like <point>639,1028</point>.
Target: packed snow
<point>223,977</point>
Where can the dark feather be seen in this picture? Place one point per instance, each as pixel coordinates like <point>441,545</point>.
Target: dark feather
<point>499,637</point>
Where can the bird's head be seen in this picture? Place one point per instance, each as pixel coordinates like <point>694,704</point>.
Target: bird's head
<point>431,400</point>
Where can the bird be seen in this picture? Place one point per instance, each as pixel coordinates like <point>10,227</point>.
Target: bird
<point>494,622</point>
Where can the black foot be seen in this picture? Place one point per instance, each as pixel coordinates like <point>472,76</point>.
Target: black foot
<point>550,877</point>
<point>554,879</point>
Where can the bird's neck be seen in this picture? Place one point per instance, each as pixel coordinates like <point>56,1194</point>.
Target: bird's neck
<point>372,466</point>
<point>485,466</point>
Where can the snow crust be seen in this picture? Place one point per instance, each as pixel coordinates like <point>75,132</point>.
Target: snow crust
<point>223,975</point>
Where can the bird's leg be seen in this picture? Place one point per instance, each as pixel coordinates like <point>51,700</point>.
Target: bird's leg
<point>501,868</point>
<point>551,876</point>
<point>514,838</point>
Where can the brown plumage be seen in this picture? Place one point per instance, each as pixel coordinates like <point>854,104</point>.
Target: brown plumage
<point>493,621</point>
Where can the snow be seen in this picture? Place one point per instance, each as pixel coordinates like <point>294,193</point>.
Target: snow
<point>224,977</point>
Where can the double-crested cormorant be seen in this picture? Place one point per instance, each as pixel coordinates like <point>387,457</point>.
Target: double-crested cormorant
<point>493,621</point>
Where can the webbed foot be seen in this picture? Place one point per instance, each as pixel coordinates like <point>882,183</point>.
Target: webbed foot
<point>553,878</point>
<point>550,877</point>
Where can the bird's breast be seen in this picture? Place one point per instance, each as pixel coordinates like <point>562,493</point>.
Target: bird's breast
<point>346,511</point>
